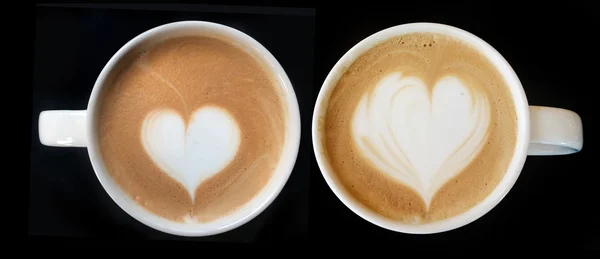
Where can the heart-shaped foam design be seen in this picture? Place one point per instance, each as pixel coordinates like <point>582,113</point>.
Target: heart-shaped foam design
<point>420,137</point>
<point>194,153</point>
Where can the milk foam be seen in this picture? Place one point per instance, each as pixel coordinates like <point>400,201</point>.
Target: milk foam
<point>152,127</point>
<point>194,152</point>
<point>421,136</point>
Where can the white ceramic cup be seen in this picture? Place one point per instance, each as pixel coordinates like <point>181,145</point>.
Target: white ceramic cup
<point>541,130</point>
<point>78,128</point>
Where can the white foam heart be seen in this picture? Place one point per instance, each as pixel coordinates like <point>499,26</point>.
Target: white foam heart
<point>194,153</point>
<point>418,138</point>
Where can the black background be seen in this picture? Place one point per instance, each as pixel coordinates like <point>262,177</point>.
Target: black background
<point>72,45</point>
<point>552,48</point>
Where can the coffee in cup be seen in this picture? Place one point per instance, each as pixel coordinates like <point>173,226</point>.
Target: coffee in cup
<point>192,128</point>
<point>420,127</point>
<point>423,128</point>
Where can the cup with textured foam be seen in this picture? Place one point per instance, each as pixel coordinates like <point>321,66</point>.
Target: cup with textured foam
<point>192,128</point>
<point>423,128</point>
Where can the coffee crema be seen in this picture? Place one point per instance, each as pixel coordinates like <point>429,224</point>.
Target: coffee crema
<point>420,128</point>
<point>193,128</point>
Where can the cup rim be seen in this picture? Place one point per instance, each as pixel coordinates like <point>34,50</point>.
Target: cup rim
<point>262,200</point>
<point>477,211</point>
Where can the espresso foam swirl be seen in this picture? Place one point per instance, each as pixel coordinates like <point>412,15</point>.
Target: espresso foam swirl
<point>193,151</point>
<point>419,128</point>
<point>193,128</point>
<point>419,138</point>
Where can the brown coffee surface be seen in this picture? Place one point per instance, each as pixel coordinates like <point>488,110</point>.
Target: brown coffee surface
<point>184,74</point>
<point>427,56</point>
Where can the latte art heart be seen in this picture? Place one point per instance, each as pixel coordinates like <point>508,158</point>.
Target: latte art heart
<point>421,137</point>
<point>194,153</point>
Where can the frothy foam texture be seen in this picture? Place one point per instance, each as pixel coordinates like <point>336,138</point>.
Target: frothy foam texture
<point>193,128</point>
<point>419,139</point>
<point>420,128</point>
<point>193,153</point>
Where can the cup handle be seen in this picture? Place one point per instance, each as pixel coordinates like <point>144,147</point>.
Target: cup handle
<point>554,131</point>
<point>62,128</point>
